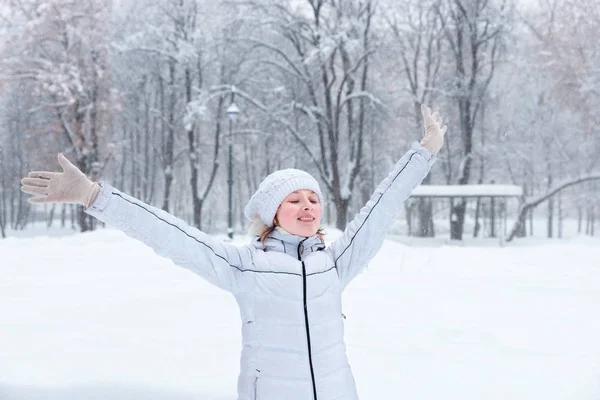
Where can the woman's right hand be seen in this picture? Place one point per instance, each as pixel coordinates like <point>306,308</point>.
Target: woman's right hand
<point>69,186</point>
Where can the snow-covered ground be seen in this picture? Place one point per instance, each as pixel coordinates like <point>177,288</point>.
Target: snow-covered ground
<point>100,316</point>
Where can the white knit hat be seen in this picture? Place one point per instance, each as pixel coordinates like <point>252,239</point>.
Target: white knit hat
<point>263,204</point>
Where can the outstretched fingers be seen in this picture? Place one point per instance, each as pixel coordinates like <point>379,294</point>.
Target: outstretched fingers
<point>38,200</point>
<point>42,184</point>
<point>38,187</point>
<point>42,174</point>
<point>431,117</point>
<point>426,111</point>
<point>35,182</point>
<point>35,190</point>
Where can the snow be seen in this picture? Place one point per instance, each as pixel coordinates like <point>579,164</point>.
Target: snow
<point>468,191</point>
<point>100,316</point>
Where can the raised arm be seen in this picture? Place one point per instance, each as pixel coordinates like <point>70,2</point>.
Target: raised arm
<point>364,235</point>
<point>188,247</point>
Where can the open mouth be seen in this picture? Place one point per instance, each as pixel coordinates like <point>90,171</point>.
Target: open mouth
<point>306,219</point>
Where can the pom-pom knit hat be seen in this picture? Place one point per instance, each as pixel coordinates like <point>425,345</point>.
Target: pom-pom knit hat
<point>263,204</point>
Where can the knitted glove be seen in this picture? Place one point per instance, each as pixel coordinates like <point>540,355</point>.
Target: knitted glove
<point>434,132</point>
<point>69,186</point>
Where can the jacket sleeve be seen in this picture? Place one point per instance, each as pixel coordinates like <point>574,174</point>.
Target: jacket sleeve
<point>217,262</point>
<point>364,235</point>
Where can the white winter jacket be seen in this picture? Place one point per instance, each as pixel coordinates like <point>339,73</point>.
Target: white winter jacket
<point>288,290</point>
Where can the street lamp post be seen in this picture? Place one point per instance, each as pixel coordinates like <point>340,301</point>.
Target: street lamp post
<point>232,112</point>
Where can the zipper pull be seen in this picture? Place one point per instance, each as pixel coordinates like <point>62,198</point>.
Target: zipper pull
<point>300,249</point>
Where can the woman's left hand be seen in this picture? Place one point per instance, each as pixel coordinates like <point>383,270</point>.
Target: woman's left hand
<point>434,131</point>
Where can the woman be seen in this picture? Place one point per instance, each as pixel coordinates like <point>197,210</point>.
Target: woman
<point>287,283</point>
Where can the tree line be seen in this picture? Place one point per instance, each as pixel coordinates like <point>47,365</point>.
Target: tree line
<point>136,93</point>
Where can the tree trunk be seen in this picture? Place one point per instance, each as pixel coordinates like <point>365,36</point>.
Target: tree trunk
<point>550,216</point>
<point>560,216</point>
<point>136,139</point>
<point>170,139</point>
<point>50,216</point>
<point>148,137</point>
<point>457,219</point>
<point>25,218</point>
<point>341,208</point>
<point>82,218</point>
<point>492,217</point>
<point>63,215</point>
<point>504,218</point>
<point>425,210</point>
<point>477,227</point>
<point>589,226</point>
<point>425,226</point>
<point>2,194</point>
<point>193,155</point>
<point>408,207</point>
<point>19,218</point>
<point>124,157</point>
<point>2,213</point>
<point>200,206</point>
<point>2,232</point>
<point>73,213</point>
<point>131,158</point>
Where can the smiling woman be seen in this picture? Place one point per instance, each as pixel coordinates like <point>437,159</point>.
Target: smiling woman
<point>287,283</point>
<point>289,199</point>
<point>300,213</point>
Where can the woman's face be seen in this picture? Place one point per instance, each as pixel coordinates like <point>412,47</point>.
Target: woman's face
<point>300,213</point>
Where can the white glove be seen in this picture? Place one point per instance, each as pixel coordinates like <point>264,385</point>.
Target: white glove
<point>434,132</point>
<point>69,186</point>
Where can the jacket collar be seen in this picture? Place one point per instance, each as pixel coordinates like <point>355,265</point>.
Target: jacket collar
<point>290,244</point>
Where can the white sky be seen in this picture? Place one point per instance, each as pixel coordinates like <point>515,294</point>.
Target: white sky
<point>100,316</point>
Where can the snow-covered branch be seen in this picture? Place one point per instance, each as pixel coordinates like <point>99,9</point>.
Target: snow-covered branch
<point>536,200</point>
<point>368,95</point>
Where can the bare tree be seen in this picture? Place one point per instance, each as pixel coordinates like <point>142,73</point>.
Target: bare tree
<point>474,32</point>
<point>162,42</point>
<point>562,58</point>
<point>65,49</point>
<point>418,32</point>
<point>321,49</point>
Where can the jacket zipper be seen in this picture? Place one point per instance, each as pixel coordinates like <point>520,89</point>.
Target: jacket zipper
<point>256,384</point>
<point>312,372</point>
